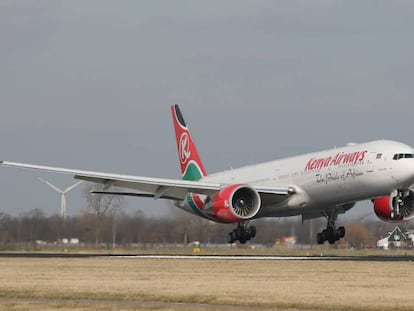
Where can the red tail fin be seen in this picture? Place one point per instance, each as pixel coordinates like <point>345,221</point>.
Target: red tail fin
<point>191,166</point>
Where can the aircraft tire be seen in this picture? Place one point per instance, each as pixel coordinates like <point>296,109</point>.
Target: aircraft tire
<point>341,232</point>
<point>230,238</point>
<point>252,231</point>
<point>320,238</point>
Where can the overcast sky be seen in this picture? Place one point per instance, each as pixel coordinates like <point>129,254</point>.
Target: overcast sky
<point>88,84</point>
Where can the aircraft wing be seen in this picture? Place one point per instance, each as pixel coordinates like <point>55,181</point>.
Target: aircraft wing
<point>160,187</point>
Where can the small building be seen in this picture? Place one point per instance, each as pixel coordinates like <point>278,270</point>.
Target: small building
<point>72,241</point>
<point>286,241</point>
<point>397,238</point>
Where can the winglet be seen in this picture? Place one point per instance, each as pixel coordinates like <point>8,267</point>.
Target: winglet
<point>191,166</point>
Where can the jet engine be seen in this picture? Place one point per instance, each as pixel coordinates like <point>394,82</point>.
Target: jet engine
<point>235,203</point>
<point>396,207</point>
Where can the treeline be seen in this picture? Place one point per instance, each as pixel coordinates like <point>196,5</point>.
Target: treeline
<point>109,229</point>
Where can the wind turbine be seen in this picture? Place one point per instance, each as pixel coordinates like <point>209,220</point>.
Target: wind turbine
<point>62,194</point>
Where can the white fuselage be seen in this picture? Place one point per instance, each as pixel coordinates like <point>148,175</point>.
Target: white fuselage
<point>328,179</point>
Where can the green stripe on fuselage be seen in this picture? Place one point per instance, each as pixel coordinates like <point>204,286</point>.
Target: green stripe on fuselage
<point>193,173</point>
<point>193,205</point>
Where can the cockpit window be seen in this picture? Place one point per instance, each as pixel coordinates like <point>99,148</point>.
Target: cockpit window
<point>398,156</point>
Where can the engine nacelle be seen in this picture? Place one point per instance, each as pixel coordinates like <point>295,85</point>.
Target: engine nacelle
<point>383,207</point>
<point>235,203</point>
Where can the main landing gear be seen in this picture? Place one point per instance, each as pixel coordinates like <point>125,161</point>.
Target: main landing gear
<point>242,233</point>
<point>331,233</point>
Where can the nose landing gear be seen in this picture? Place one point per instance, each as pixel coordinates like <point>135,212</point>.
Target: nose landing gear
<point>398,204</point>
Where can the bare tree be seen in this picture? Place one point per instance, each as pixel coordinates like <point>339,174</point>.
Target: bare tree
<point>357,235</point>
<point>101,205</point>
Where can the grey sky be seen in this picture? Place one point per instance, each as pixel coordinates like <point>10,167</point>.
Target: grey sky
<point>88,84</point>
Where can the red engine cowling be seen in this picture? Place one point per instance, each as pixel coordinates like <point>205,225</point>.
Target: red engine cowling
<point>384,210</point>
<point>235,203</point>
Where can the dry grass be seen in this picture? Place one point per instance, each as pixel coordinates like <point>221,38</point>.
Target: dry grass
<point>275,284</point>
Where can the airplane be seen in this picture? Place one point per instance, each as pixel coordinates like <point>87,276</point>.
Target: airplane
<point>320,184</point>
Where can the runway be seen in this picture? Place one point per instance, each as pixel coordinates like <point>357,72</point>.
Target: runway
<point>213,257</point>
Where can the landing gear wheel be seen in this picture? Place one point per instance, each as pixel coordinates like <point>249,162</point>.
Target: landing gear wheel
<point>242,234</point>
<point>341,232</point>
<point>252,230</point>
<point>320,238</point>
<point>330,234</point>
<point>332,239</point>
<point>230,238</point>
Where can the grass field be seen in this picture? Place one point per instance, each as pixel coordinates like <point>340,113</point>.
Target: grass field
<point>338,285</point>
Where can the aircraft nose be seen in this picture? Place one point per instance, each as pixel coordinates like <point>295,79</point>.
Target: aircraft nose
<point>409,169</point>
<point>403,172</point>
